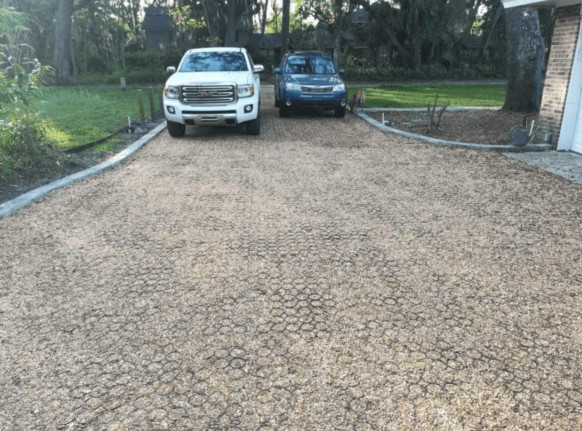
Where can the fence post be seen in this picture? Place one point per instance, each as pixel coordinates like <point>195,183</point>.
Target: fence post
<point>152,107</point>
<point>141,110</point>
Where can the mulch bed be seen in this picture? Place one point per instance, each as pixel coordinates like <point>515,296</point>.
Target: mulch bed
<point>489,127</point>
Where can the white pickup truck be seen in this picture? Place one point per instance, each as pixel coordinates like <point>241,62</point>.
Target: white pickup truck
<point>213,86</point>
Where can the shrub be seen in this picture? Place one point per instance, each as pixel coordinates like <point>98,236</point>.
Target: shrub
<point>21,129</point>
<point>426,72</point>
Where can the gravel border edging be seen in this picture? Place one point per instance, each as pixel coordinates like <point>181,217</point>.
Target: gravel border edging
<point>10,207</point>
<point>454,144</point>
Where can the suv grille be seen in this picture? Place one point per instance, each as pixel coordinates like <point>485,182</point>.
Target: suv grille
<point>316,90</point>
<point>208,94</point>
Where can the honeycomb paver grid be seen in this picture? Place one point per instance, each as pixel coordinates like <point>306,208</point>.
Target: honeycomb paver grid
<point>323,276</point>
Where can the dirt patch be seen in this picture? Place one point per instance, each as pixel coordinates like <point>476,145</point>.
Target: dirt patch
<point>489,127</point>
<point>53,166</point>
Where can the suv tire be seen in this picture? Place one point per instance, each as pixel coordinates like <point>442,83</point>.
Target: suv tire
<point>340,112</point>
<point>283,111</point>
<point>176,130</point>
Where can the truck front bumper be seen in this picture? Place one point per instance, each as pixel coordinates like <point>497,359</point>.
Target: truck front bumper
<point>243,111</point>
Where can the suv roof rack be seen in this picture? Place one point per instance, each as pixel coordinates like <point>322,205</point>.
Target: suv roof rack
<point>309,52</point>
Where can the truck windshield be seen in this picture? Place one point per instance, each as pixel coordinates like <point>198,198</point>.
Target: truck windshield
<point>214,62</point>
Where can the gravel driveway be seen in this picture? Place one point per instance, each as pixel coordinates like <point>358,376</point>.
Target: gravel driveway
<point>322,276</point>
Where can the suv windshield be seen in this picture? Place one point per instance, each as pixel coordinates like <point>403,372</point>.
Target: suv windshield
<point>309,64</point>
<point>214,62</point>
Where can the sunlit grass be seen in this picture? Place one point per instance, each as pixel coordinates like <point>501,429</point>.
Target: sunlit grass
<point>77,116</point>
<point>419,96</point>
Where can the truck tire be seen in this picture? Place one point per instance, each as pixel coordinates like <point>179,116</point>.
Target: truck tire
<point>254,126</point>
<point>176,130</point>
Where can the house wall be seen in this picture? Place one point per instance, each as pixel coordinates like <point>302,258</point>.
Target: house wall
<point>563,49</point>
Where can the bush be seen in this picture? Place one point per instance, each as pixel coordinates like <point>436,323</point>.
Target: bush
<point>22,140</point>
<point>21,129</point>
<point>426,72</point>
<point>142,67</point>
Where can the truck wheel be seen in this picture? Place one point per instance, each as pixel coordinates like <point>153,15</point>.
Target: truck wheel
<point>283,111</point>
<point>340,112</point>
<point>254,126</point>
<point>176,130</point>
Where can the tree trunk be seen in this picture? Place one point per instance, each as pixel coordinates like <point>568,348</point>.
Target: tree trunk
<point>525,60</point>
<point>498,12</point>
<point>285,27</point>
<point>264,20</point>
<point>230,37</point>
<point>62,59</point>
<point>339,21</point>
<point>415,34</point>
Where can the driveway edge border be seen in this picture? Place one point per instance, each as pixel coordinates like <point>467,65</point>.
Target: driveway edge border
<point>453,144</point>
<point>12,206</point>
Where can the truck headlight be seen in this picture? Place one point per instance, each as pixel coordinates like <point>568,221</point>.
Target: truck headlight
<point>172,92</point>
<point>292,86</point>
<point>340,87</point>
<point>245,91</point>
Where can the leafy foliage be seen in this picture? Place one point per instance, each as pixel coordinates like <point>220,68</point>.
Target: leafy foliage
<point>21,128</point>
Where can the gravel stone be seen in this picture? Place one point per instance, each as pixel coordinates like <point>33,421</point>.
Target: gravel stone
<point>321,276</point>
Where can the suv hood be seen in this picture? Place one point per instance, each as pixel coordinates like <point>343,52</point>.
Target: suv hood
<point>196,78</point>
<point>314,79</point>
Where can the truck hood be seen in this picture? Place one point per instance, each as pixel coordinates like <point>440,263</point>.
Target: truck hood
<point>196,78</point>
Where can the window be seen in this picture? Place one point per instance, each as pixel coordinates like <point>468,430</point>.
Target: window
<point>214,62</point>
<point>314,65</point>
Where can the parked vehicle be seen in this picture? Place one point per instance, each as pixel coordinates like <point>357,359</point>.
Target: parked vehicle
<point>213,86</point>
<point>309,79</point>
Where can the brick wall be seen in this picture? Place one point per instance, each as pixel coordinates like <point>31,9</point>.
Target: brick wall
<point>564,42</point>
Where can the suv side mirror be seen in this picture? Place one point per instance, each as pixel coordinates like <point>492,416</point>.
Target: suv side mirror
<point>277,71</point>
<point>258,68</point>
<point>170,70</point>
<point>341,71</point>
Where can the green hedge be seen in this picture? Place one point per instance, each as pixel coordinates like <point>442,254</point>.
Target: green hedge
<point>428,72</point>
<point>142,67</point>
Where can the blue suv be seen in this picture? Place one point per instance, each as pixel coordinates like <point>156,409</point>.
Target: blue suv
<point>309,79</point>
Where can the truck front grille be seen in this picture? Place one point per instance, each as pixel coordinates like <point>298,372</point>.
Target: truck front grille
<point>208,94</point>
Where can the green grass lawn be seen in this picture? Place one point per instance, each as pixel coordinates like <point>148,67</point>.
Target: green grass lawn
<point>419,96</point>
<point>81,115</point>
<point>77,116</point>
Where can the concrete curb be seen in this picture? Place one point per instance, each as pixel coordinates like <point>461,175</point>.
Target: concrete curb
<point>453,144</point>
<point>10,207</point>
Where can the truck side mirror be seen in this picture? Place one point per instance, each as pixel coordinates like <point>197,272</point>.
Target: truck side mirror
<point>171,70</point>
<point>258,68</point>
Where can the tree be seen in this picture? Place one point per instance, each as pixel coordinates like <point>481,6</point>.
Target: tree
<point>285,26</point>
<point>263,16</point>
<point>273,24</point>
<point>21,128</point>
<point>525,60</point>
<point>415,36</point>
<point>230,36</point>
<point>62,52</point>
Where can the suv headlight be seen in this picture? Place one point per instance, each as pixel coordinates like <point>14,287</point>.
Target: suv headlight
<point>245,91</point>
<point>292,86</point>
<point>172,92</point>
<point>339,87</point>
